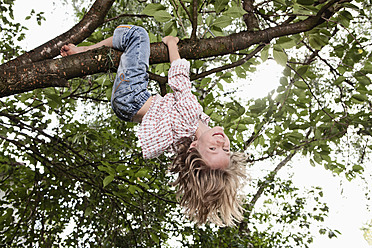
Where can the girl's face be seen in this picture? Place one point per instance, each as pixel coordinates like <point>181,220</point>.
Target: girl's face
<point>214,147</point>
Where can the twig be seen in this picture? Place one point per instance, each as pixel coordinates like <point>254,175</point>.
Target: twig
<point>126,15</point>
<point>229,66</point>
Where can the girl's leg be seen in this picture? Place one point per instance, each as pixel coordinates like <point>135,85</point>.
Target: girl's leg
<point>129,92</point>
<point>72,49</point>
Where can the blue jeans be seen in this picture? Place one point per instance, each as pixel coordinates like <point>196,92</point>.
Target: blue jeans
<point>129,92</point>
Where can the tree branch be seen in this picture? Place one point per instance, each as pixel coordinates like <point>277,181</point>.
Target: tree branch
<point>24,78</point>
<point>90,22</point>
<point>250,19</point>
<point>229,66</point>
<point>194,20</point>
<point>127,15</point>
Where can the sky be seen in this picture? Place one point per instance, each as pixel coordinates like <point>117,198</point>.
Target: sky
<point>347,202</point>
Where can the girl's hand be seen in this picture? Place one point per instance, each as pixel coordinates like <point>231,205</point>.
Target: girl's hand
<point>170,40</point>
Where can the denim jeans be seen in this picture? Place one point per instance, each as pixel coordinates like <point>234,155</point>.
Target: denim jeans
<point>129,92</point>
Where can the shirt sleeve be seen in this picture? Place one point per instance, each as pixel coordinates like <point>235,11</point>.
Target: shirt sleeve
<point>178,77</point>
<point>186,103</point>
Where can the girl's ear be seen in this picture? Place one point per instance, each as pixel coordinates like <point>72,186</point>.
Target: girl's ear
<point>193,144</point>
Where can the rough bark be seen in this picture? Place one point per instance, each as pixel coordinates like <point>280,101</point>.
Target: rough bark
<point>47,73</point>
<point>90,22</point>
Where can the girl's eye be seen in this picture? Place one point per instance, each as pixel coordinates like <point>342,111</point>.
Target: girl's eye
<point>226,150</point>
<point>212,148</point>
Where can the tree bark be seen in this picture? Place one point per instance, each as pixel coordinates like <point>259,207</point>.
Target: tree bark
<point>90,22</point>
<point>16,78</point>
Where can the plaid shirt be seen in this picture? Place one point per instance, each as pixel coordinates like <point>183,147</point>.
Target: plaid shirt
<point>172,117</point>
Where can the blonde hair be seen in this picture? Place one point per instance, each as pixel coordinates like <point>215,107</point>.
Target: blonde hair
<point>208,194</point>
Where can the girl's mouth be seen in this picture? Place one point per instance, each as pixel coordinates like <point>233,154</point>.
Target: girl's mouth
<point>221,134</point>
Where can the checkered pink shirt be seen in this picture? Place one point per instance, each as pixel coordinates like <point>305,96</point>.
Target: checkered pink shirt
<point>172,117</point>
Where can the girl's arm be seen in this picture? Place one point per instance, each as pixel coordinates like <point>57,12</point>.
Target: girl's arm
<point>171,43</point>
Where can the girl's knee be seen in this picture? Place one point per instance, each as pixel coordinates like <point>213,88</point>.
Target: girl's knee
<point>142,32</point>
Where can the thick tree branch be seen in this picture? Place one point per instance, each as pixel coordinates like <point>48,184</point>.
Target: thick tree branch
<point>49,73</point>
<point>90,22</point>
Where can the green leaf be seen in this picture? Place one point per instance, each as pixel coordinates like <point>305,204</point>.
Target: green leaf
<point>360,97</point>
<point>358,168</point>
<point>208,99</point>
<point>152,8</point>
<point>142,173</point>
<point>162,68</point>
<point>205,82</point>
<point>209,20</point>
<point>162,16</point>
<point>222,21</point>
<point>367,69</point>
<point>235,12</point>
<point>265,53</point>
<point>198,64</point>
<point>154,237</point>
<point>317,41</point>
<point>54,100</point>
<point>302,70</point>
<point>300,85</point>
<point>219,5</point>
<point>170,28</point>
<point>280,57</point>
<point>364,80</point>
<point>240,72</point>
<point>108,180</point>
<point>88,212</point>
<point>121,167</point>
<point>345,17</point>
<point>133,188</point>
<point>339,80</point>
<point>286,42</point>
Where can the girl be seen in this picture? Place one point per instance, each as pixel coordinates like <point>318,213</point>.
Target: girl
<point>208,172</point>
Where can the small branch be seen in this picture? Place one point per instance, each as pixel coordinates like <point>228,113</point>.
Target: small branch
<point>229,66</point>
<point>186,10</point>
<point>126,15</point>
<point>194,21</point>
<point>179,20</point>
<point>161,80</point>
<point>270,178</point>
<point>261,189</point>
<point>250,19</point>
<point>312,93</point>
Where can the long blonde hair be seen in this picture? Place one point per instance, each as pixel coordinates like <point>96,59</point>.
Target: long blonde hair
<point>208,194</point>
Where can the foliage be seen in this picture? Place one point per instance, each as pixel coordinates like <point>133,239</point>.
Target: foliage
<point>11,32</point>
<point>66,160</point>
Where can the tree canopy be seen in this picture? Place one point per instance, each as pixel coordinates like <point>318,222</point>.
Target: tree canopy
<point>66,159</point>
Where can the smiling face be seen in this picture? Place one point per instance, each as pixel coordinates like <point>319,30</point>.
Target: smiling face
<point>214,147</point>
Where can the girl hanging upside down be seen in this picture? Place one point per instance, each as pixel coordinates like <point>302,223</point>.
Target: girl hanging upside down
<point>209,174</point>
